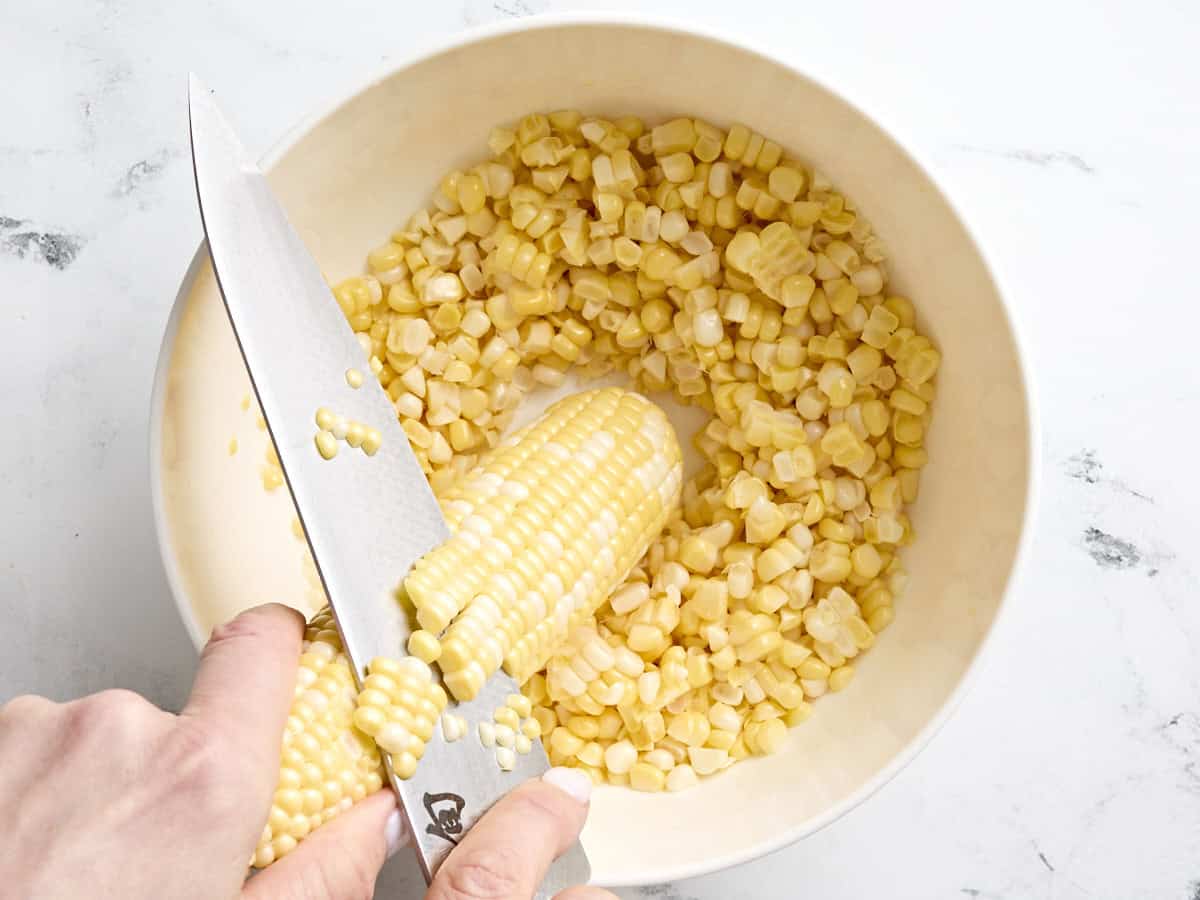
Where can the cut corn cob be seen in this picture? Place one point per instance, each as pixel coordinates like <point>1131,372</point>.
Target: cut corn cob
<point>545,527</point>
<point>327,763</point>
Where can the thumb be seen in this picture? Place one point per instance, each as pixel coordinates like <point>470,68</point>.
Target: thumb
<point>338,861</point>
<point>506,853</point>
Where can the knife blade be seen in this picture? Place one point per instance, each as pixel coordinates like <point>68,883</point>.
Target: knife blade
<point>367,519</point>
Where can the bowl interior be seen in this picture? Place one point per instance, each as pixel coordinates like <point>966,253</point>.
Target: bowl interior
<point>362,169</point>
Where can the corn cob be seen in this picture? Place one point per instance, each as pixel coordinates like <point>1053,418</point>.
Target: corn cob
<point>545,527</point>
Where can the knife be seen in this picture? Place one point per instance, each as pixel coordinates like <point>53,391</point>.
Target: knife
<point>367,519</point>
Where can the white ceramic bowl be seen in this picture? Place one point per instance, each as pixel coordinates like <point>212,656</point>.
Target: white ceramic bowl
<point>350,175</point>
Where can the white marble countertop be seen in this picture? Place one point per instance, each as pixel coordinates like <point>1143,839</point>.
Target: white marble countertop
<point>1069,132</point>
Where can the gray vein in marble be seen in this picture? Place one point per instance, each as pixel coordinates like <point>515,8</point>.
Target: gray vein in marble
<point>1194,890</point>
<point>143,171</point>
<point>110,81</point>
<point>1044,158</point>
<point>54,248</point>
<point>21,154</point>
<point>1182,733</point>
<point>1085,467</point>
<point>101,439</point>
<point>1138,702</point>
<point>1110,552</point>
<point>476,12</point>
<point>518,8</point>
<point>661,891</point>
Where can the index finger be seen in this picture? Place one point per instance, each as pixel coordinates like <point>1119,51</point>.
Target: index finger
<point>247,676</point>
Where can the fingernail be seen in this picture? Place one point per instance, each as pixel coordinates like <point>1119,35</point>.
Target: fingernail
<point>395,833</point>
<point>571,781</point>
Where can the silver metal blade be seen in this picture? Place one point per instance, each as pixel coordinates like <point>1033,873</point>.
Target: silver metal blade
<point>367,519</point>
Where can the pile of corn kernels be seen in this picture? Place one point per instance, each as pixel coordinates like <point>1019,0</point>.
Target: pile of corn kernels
<point>708,264</point>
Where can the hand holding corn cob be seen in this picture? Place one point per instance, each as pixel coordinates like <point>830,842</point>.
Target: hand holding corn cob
<point>110,796</point>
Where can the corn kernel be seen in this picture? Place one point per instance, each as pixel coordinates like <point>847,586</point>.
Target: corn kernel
<point>645,777</point>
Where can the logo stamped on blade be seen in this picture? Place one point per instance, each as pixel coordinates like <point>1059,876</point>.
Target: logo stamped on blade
<point>445,815</point>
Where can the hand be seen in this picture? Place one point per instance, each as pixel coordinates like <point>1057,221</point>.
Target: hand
<point>111,797</point>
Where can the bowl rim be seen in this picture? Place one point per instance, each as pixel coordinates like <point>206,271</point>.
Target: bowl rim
<point>333,102</point>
